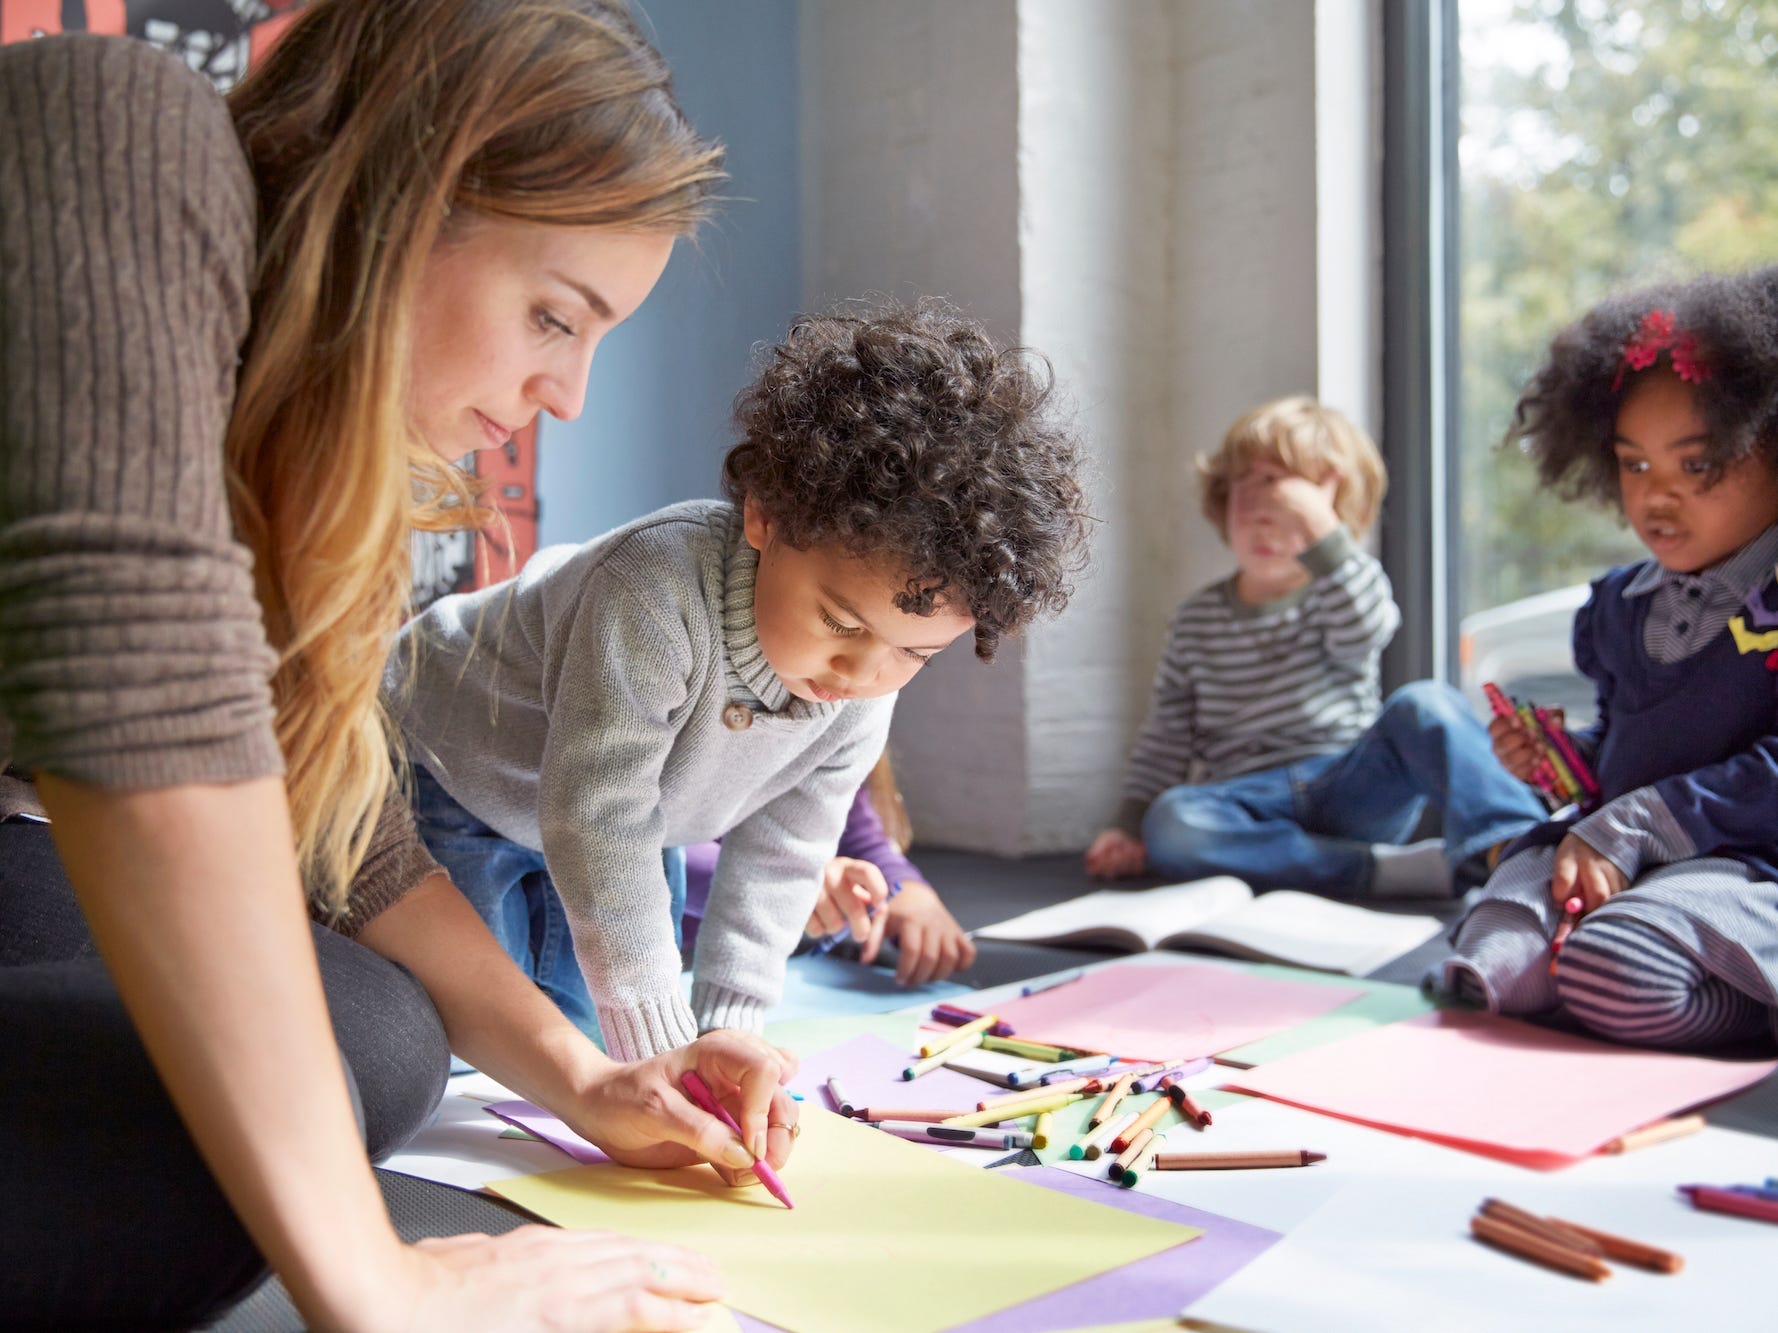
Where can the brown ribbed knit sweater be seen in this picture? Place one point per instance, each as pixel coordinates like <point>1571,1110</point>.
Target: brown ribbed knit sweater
<point>132,652</point>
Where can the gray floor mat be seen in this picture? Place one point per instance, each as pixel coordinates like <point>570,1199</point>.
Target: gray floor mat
<point>418,1208</point>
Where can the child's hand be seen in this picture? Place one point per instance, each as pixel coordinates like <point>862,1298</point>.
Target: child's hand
<point>1309,505</point>
<point>639,1112</point>
<point>850,891</point>
<point>1580,870</point>
<point>1116,855</point>
<point>930,942</point>
<point>1518,753</point>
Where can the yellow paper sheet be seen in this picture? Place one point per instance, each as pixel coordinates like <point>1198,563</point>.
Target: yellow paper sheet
<point>886,1236</point>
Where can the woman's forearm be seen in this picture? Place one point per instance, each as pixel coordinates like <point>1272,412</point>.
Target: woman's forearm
<point>494,1016</point>
<point>193,898</point>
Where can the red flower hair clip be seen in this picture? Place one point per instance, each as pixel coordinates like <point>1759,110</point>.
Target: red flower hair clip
<point>1659,332</point>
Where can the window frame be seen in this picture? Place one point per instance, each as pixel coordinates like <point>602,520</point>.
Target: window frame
<point>1418,535</point>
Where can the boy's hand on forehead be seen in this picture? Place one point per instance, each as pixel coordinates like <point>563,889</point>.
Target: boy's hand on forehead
<point>1309,504</point>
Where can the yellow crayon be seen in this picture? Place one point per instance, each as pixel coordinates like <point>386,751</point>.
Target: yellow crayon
<point>955,1037</point>
<point>995,1115</point>
<point>932,1062</point>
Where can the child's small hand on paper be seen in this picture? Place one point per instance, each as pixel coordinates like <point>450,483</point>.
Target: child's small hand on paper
<point>1514,746</point>
<point>1116,854</point>
<point>1585,872</point>
<point>928,939</point>
<point>851,891</point>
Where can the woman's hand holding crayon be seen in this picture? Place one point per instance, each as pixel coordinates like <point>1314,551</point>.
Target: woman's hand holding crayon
<point>640,1115</point>
<point>1581,872</point>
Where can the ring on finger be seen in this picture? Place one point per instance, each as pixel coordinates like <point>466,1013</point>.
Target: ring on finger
<point>794,1130</point>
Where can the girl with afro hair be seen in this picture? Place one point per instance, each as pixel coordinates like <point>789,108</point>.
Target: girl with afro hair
<point>1651,914</point>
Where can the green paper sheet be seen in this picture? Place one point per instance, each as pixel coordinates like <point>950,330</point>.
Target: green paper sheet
<point>964,1242</point>
<point>1382,1003</point>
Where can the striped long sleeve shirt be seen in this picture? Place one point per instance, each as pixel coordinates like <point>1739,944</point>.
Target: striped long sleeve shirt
<point>1243,687</point>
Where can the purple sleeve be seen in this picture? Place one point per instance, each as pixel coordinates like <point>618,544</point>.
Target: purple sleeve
<point>864,840</point>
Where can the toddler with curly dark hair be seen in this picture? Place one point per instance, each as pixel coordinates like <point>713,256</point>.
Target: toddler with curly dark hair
<point>727,668</point>
<point>1652,915</point>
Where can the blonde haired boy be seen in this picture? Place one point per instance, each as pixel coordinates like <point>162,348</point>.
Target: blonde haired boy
<point>1266,752</point>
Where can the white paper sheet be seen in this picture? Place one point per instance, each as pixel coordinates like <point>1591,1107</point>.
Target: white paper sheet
<point>1394,1253</point>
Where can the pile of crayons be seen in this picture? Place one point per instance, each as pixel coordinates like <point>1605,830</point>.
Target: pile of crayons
<point>1022,1118</point>
<point>1567,1247</point>
<point>1561,775</point>
<point>1758,1201</point>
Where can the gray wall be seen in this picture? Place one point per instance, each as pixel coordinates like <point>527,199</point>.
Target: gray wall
<point>656,420</point>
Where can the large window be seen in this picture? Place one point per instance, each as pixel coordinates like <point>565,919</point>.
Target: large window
<point>1600,143</point>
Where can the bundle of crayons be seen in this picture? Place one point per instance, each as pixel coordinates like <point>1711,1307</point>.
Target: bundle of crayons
<point>1058,1077</point>
<point>1562,776</point>
<point>1757,1201</point>
<point>1567,1247</point>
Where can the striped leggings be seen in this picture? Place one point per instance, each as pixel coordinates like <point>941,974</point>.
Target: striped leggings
<point>1619,975</point>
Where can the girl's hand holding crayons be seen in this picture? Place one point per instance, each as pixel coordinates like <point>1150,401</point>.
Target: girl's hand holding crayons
<point>1518,751</point>
<point>1581,872</point>
<point>640,1115</point>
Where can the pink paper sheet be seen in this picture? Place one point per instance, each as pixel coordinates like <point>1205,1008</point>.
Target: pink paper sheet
<point>1496,1085</point>
<point>1163,1012</point>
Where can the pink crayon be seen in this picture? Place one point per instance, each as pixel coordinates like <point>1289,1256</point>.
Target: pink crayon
<point>699,1092</point>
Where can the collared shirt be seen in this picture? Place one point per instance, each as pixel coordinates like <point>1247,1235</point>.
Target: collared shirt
<point>1637,831</point>
<point>1689,610</point>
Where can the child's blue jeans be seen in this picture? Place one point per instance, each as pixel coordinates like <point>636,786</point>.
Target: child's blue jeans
<point>1311,825</point>
<point>510,887</point>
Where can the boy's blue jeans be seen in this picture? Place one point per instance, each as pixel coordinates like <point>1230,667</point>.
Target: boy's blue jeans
<point>510,887</point>
<point>1311,825</point>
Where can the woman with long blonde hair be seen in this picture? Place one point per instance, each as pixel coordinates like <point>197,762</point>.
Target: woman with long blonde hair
<point>241,348</point>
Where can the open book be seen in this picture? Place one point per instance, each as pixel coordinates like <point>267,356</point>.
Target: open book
<point>1283,926</point>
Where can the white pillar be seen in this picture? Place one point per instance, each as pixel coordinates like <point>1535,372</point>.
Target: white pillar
<point>1129,186</point>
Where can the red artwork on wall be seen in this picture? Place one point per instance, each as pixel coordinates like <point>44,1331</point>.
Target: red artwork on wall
<point>222,39</point>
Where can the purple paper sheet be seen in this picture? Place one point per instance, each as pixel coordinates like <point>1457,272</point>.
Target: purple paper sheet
<point>869,1069</point>
<point>546,1127</point>
<point>1157,1287</point>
